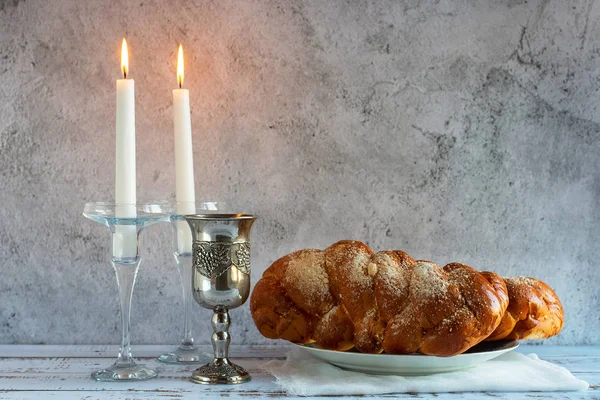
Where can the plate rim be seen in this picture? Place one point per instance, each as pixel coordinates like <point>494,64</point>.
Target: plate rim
<point>510,345</point>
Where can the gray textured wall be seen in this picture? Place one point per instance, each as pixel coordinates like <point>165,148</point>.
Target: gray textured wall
<point>455,130</point>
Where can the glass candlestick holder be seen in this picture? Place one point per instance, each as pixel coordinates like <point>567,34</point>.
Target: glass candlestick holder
<point>186,352</point>
<point>126,222</point>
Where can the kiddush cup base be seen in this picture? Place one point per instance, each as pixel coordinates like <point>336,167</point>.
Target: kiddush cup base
<point>220,371</point>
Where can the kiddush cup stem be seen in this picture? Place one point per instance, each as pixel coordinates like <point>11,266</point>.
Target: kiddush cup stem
<point>220,337</point>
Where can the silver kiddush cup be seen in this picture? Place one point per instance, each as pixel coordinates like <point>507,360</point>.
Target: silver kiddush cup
<point>220,281</point>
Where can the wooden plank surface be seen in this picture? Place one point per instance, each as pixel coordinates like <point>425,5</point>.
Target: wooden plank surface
<point>143,351</point>
<point>63,372</point>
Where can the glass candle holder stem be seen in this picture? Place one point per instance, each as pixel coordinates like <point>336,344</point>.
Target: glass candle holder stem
<point>186,352</point>
<point>126,276</point>
<point>185,271</point>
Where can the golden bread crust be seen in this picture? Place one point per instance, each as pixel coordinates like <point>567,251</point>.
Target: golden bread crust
<point>346,296</point>
<point>534,311</point>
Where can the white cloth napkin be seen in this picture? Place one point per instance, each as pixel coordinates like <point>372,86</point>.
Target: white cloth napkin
<point>302,375</point>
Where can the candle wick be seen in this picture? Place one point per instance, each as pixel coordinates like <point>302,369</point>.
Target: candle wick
<point>180,85</point>
<point>124,74</point>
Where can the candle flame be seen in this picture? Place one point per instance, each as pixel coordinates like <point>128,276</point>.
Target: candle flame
<point>124,58</point>
<point>180,66</point>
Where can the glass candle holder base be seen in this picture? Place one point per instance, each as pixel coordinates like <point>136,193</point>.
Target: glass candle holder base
<point>126,372</point>
<point>184,354</point>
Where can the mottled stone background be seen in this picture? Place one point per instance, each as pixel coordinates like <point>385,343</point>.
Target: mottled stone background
<point>455,130</point>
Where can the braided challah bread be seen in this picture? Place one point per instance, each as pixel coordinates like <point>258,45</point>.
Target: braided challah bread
<point>346,296</point>
<point>534,311</point>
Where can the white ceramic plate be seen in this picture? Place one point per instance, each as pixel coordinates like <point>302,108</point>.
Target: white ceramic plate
<point>412,364</point>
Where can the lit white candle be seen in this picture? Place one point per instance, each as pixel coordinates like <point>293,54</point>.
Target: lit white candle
<point>125,238</point>
<point>184,158</point>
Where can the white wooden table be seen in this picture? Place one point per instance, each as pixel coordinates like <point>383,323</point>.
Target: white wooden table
<point>63,372</point>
